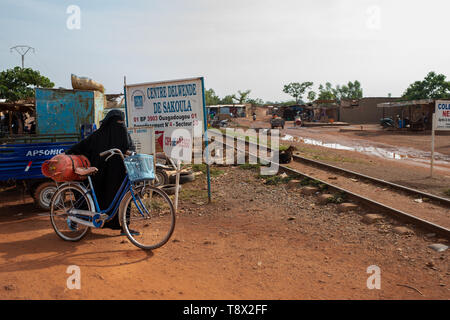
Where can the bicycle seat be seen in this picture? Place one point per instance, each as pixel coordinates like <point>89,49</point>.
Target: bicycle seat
<point>86,171</point>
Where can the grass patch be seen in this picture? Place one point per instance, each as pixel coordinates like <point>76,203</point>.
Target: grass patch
<point>313,183</point>
<point>193,195</point>
<point>199,167</point>
<point>338,198</point>
<point>324,155</point>
<point>248,166</point>
<point>277,179</point>
<point>214,172</point>
<point>447,192</point>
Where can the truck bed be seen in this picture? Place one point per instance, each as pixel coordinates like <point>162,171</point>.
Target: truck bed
<point>21,157</point>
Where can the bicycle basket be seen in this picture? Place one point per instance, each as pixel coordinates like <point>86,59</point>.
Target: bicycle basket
<point>140,167</point>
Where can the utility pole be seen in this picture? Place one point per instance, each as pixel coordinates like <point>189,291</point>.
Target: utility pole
<point>22,50</point>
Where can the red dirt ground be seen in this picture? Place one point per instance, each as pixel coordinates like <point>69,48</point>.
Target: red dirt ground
<point>255,241</point>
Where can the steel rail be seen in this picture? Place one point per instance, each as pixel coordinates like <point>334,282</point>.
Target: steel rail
<point>434,197</point>
<point>401,215</point>
<point>377,180</point>
<point>395,213</point>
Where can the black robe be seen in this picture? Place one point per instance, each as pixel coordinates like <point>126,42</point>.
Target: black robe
<point>107,181</point>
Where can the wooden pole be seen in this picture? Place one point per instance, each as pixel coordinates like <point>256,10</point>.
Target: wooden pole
<point>177,184</point>
<point>10,116</point>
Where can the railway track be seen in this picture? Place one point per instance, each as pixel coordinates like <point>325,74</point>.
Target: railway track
<point>330,167</point>
<point>383,196</point>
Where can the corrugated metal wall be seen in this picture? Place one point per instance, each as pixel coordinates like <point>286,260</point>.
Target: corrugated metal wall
<point>64,111</point>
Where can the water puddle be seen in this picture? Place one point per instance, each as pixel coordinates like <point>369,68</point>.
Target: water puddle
<point>386,153</point>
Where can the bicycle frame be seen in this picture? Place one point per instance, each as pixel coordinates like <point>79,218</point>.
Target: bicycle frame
<point>114,207</point>
<point>112,210</point>
<point>120,194</point>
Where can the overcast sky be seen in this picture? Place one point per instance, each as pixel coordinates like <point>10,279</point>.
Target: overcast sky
<point>235,44</point>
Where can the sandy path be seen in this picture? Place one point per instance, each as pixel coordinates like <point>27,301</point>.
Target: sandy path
<point>253,242</point>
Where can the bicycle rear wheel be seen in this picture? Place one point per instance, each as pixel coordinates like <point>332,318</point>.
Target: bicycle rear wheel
<point>67,198</point>
<point>148,218</point>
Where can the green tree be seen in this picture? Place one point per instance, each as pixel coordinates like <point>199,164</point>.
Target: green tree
<point>243,96</point>
<point>19,83</point>
<point>297,90</point>
<point>352,90</point>
<point>211,98</point>
<point>326,92</point>
<point>433,86</point>
<point>287,103</point>
<point>228,99</point>
<point>256,102</point>
<point>311,96</point>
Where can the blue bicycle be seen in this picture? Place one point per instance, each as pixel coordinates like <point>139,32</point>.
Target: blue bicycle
<point>146,213</point>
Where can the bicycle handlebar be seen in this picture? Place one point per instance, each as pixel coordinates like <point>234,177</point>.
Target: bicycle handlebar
<point>112,152</point>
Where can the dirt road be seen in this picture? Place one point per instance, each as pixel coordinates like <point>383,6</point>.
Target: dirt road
<point>416,144</point>
<point>255,241</point>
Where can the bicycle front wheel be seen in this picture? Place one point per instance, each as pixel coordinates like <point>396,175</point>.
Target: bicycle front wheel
<point>148,218</point>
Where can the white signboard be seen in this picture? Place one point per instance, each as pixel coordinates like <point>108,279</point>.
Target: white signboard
<point>442,116</point>
<point>177,144</point>
<point>168,104</point>
<point>143,139</point>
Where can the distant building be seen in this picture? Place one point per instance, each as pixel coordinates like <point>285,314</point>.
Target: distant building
<point>234,110</point>
<point>412,115</point>
<point>357,111</point>
<point>362,111</point>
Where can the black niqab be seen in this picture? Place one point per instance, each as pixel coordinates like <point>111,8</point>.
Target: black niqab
<point>111,134</point>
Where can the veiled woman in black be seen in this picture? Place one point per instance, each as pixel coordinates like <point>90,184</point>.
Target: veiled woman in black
<point>111,134</point>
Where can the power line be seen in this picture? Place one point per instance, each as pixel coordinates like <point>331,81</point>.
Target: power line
<point>40,63</point>
<point>22,50</point>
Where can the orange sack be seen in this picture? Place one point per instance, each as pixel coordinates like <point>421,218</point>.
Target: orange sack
<point>62,167</point>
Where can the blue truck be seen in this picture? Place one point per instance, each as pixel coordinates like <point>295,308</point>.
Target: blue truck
<point>63,117</point>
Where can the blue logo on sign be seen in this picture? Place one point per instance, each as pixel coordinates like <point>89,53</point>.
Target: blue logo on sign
<point>138,99</point>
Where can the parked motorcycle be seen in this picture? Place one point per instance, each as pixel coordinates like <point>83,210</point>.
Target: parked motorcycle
<point>387,123</point>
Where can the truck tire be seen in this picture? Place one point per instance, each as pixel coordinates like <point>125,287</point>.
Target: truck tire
<point>161,177</point>
<point>185,176</point>
<point>169,189</point>
<point>43,194</point>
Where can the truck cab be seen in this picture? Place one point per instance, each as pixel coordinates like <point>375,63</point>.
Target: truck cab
<point>62,118</point>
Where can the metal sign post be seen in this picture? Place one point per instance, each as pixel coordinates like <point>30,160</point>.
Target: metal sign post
<point>205,119</point>
<point>166,105</point>
<point>433,124</point>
